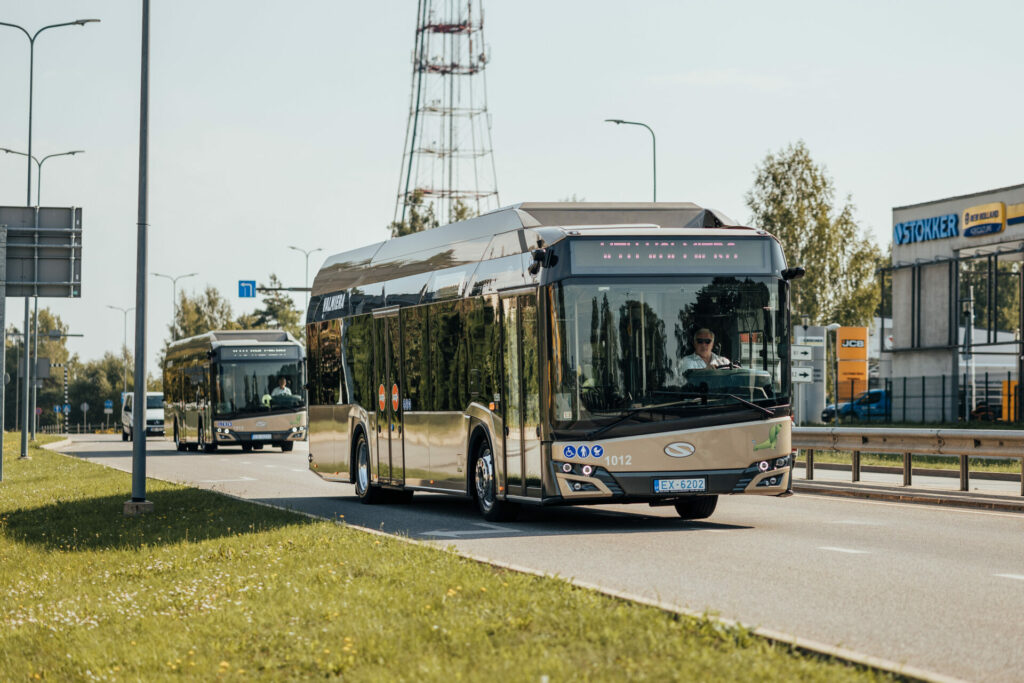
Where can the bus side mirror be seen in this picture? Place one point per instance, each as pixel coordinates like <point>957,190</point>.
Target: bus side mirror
<point>793,273</point>
<point>538,259</point>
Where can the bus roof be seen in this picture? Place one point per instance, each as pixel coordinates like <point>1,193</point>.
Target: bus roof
<point>217,338</point>
<point>467,241</point>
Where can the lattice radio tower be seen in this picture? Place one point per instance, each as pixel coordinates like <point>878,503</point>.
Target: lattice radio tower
<point>448,159</point>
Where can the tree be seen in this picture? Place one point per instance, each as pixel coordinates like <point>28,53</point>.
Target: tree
<point>52,391</point>
<point>793,199</point>
<point>417,219</point>
<point>278,312</point>
<point>201,313</point>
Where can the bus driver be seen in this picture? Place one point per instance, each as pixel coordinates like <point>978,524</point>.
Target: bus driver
<point>703,357</point>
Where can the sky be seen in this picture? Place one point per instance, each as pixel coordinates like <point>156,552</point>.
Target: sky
<point>275,124</point>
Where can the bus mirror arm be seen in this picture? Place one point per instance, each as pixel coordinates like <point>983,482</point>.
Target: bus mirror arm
<point>542,257</point>
<point>793,273</point>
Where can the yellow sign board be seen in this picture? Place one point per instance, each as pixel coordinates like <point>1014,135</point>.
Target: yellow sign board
<point>852,343</point>
<point>984,219</point>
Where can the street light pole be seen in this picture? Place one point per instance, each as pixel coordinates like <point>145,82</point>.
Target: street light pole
<point>35,317</point>
<point>654,148</point>
<point>306,282</point>
<point>174,297</point>
<point>28,191</point>
<point>124,347</point>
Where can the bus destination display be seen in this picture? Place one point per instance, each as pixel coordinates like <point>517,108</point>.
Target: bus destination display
<point>675,256</point>
<point>259,352</point>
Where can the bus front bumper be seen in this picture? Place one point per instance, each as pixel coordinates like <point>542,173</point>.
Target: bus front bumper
<point>226,435</point>
<point>763,477</point>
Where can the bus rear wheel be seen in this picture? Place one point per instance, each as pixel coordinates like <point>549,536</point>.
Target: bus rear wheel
<point>179,445</point>
<point>367,492</point>
<point>287,446</point>
<point>698,507</point>
<point>485,489</point>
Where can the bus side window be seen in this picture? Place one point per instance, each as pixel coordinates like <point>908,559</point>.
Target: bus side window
<point>358,356</point>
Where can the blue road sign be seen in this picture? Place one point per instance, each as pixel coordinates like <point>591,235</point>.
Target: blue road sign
<point>108,403</point>
<point>67,408</point>
<point>56,408</point>
<point>247,289</point>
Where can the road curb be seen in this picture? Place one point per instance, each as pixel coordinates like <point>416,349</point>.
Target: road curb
<point>57,445</point>
<point>910,495</point>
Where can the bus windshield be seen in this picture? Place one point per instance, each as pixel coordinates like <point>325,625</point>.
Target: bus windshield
<point>629,349</point>
<point>254,387</point>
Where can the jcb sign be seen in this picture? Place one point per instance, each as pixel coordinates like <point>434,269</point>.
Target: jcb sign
<point>852,346</point>
<point>853,343</point>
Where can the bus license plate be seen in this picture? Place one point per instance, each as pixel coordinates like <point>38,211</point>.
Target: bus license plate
<point>261,437</point>
<point>680,485</point>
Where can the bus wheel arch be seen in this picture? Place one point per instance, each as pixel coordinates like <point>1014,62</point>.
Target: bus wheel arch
<point>484,472</point>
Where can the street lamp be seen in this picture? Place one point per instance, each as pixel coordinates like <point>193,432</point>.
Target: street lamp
<point>28,191</point>
<point>35,319</point>
<point>31,64</point>
<point>124,348</point>
<point>174,296</point>
<point>39,165</point>
<point>654,148</point>
<point>307,253</point>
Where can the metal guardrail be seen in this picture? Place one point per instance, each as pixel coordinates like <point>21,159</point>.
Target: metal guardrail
<point>962,443</point>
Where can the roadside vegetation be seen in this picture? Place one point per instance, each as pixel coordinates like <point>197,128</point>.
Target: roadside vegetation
<point>209,587</point>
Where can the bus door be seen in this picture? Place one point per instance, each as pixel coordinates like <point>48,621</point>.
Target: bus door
<point>521,394</point>
<point>390,452</point>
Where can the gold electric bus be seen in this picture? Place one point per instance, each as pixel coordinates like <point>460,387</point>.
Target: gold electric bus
<point>235,388</point>
<point>543,354</point>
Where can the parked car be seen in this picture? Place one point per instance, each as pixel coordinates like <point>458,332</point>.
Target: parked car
<point>829,413</point>
<point>154,415</point>
<point>989,411</point>
<point>869,406</point>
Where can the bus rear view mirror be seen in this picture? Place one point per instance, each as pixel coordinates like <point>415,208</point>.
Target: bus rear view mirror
<point>793,273</point>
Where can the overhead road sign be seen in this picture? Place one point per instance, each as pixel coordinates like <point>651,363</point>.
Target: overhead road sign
<point>42,250</point>
<point>247,289</point>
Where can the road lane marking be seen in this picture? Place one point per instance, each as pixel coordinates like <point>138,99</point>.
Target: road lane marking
<point>1019,577</point>
<point>297,469</point>
<point>488,529</point>
<point>849,551</point>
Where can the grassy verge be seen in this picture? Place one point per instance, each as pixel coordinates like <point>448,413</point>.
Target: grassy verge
<point>208,587</point>
<point>938,462</point>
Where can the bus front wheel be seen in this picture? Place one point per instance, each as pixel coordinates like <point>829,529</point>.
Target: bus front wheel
<point>287,446</point>
<point>698,507</point>
<point>485,487</point>
<point>367,492</point>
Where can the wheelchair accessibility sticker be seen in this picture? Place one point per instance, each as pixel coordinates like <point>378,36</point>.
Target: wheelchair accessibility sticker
<point>583,451</point>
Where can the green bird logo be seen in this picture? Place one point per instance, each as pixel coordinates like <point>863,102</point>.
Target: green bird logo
<point>773,438</point>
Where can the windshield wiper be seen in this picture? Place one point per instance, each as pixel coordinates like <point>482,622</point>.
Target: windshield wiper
<point>633,411</point>
<point>769,413</point>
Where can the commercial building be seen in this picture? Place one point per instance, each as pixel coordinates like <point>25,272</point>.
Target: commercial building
<point>956,304</point>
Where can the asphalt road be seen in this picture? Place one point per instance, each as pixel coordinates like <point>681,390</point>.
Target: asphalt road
<point>941,589</point>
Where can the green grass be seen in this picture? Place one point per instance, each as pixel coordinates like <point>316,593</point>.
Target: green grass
<point>938,462</point>
<point>207,587</point>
